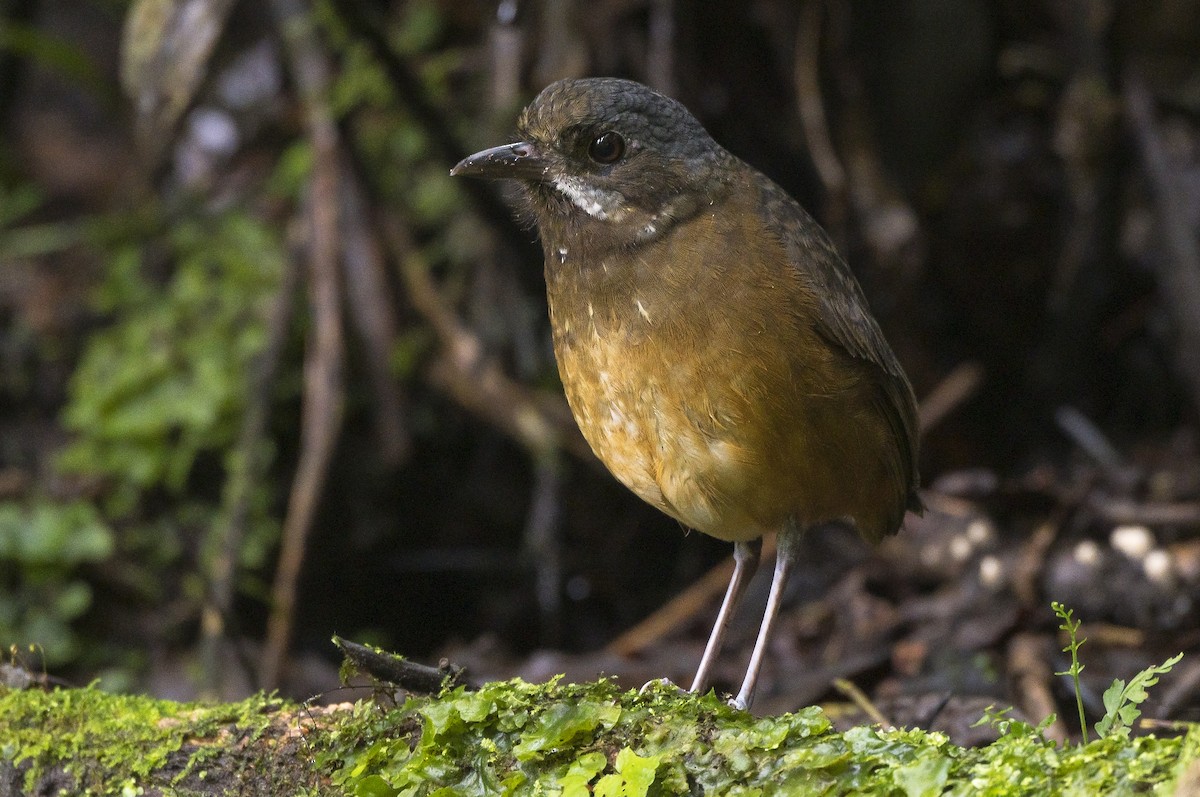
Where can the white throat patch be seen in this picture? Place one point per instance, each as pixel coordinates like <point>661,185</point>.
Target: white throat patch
<point>596,202</point>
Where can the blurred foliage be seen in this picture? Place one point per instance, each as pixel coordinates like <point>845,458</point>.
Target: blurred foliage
<point>17,200</point>
<point>160,390</point>
<point>165,384</point>
<point>43,548</point>
<point>385,131</point>
<point>166,381</point>
<point>56,55</point>
<point>156,400</point>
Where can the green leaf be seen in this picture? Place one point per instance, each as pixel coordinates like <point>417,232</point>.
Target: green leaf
<point>609,786</point>
<point>924,777</point>
<point>374,786</point>
<point>561,723</point>
<point>1121,701</point>
<point>637,771</point>
<point>1113,696</point>
<point>580,774</point>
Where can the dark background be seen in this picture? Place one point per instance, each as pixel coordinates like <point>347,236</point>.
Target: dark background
<point>172,304</point>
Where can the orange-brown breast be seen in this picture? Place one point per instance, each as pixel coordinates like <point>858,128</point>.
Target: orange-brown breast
<point>696,372</point>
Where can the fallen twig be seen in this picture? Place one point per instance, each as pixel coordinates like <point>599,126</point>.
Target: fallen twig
<point>957,387</point>
<point>864,703</point>
<point>680,609</point>
<point>399,671</point>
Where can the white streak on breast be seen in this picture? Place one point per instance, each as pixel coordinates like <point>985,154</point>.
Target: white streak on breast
<point>642,309</point>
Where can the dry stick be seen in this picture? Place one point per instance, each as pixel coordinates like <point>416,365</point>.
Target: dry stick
<point>1120,511</point>
<point>462,370</point>
<point>1031,561</point>
<point>1090,439</point>
<point>680,609</point>
<point>408,675</point>
<point>322,403</point>
<point>958,386</point>
<point>1031,678</point>
<point>245,473</point>
<point>813,121</point>
<point>542,543</point>
<point>506,41</point>
<point>163,83</point>
<point>859,698</point>
<point>888,223</point>
<point>660,49</point>
<point>370,310</point>
<point>1179,273</point>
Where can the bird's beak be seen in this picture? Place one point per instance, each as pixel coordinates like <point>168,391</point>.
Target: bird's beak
<point>519,161</point>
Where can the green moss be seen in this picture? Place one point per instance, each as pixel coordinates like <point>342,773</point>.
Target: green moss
<point>551,739</point>
<point>517,738</point>
<point>111,744</point>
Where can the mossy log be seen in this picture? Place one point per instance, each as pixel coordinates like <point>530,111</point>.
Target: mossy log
<point>553,739</point>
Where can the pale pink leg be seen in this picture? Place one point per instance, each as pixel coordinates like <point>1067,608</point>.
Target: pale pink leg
<point>785,557</point>
<point>745,562</point>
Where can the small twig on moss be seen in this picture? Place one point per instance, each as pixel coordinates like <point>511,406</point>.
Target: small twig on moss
<point>399,671</point>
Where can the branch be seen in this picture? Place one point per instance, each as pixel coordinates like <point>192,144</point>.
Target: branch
<point>246,470</point>
<point>1179,272</point>
<point>322,403</point>
<point>539,422</point>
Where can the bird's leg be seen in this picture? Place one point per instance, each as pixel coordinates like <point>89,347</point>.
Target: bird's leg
<point>745,562</point>
<point>785,556</point>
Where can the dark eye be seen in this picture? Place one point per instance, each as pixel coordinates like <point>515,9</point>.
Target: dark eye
<point>607,148</point>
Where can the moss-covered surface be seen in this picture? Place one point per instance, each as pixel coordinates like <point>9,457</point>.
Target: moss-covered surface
<point>514,738</point>
<point>552,739</point>
<point>89,742</point>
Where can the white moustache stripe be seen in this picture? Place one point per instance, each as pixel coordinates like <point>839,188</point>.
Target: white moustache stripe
<point>596,202</point>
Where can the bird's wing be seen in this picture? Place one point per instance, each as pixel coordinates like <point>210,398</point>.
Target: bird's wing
<point>843,316</point>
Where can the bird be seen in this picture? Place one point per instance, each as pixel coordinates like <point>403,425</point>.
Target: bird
<point>716,351</point>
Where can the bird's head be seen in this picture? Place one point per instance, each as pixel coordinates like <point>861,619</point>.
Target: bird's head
<point>609,159</point>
